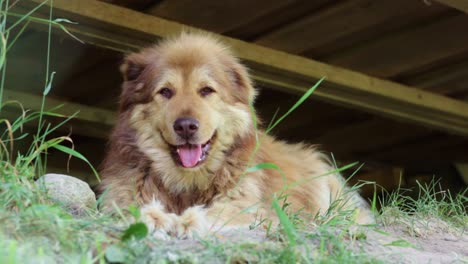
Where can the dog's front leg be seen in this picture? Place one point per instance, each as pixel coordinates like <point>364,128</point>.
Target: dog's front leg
<point>160,223</point>
<point>223,213</point>
<point>200,221</point>
<point>192,222</point>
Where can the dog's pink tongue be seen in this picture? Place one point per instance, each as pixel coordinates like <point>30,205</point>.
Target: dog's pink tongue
<point>190,155</point>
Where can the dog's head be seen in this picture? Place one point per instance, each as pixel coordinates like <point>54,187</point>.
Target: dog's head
<point>189,100</point>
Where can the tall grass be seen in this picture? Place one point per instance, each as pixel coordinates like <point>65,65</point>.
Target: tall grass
<point>32,228</point>
<point>431,203</point>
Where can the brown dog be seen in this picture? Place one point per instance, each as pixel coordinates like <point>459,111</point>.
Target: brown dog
<point>186,136</point>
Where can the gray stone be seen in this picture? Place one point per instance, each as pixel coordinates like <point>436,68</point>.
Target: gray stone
<point>72,193</point>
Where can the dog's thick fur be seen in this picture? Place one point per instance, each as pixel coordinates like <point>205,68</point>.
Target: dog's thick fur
<point>141,166</point>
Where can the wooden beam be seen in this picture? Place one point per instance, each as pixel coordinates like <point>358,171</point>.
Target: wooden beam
<point>202,13</point>
<point>446,79</point>
<point>461,5</point>
<point>282,15</point>
<point>345,19</point>
<point>133,4</point>
<point>407,50</point>
<point>86,113</point>
<point>118,28</point>
<point>387,99</point>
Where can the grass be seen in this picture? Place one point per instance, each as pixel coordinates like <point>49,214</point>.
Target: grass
<point>432,207</point>
<point>35,230</point>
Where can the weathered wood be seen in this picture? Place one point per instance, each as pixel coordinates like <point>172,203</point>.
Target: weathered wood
<point>227,14</point>
<point>461,5</point>
<point>447,79</point>
<point>343,19</point>
<point>276,18</point>
<point>100,23</point>
<point>85,113</point>
<point>73,127</point>
<point>407,50</point>
<point>386,105</point>
<point>133,4</point>
<point>375,31</point>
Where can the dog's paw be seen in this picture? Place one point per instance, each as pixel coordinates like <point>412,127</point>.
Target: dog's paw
<point>159,223</point>
<point>193,222</point>
<point>160,234</point>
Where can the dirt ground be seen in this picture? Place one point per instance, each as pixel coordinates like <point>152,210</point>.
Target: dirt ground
<point>416,242</point>
<point>433,245</point>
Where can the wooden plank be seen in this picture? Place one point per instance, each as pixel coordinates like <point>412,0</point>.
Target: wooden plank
<point>275,68</point>
<point>133,4</point>
<point>228,14</point>
<point>461,5</point>
<point>282,15</point>
<point>448,79</point>
<point>377,104</point>
<point>344,19</point>
<point>73,127</point>
<point>81,69</point>
<point>85,113</point>
<point>375,31</point>
<point>407,50</point>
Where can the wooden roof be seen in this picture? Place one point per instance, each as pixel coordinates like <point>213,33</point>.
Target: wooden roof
<point>396,71</point>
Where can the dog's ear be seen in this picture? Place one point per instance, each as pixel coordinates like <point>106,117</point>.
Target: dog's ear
<point>245,91</point>
<point>133,66</point>
<point>135,87</point>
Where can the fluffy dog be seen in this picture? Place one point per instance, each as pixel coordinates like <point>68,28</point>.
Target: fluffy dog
<point>186,137</point>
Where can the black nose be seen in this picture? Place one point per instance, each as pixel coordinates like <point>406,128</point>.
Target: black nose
<point>186,127</point>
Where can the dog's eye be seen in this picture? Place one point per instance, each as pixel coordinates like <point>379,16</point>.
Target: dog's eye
<point>206,91</point>
<point>166,92</point>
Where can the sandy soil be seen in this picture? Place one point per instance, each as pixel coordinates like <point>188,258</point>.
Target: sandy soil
<point>417,242</point>
<point>434,245</point>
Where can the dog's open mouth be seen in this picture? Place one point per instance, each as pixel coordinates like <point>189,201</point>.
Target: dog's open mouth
<point>191,155</point>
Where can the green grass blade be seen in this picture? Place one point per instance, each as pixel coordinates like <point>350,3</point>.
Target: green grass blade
<point>11,43</point>
<point>306,179</point>
<point>78,155</point>
<point>3,51</point>
<point>288,226</point>
<point>55,23</point>
<point>296,105</point>
<point>262,166</point>
<point>49,85</point>
<point>399,243</point>
<point>24,16</point>
<point>273,118</point>
<point>59,125</point>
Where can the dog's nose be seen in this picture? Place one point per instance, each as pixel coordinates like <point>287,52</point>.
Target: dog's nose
<point>186,127</point>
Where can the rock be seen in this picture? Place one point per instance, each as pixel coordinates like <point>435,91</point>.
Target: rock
<point>72,193</point>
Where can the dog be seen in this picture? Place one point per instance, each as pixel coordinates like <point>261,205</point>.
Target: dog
<point>186,144</point>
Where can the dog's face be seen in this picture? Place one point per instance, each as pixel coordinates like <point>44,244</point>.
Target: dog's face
<point>189,100</point>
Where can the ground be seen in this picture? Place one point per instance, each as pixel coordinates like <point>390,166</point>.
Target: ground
<point>422,241</point>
